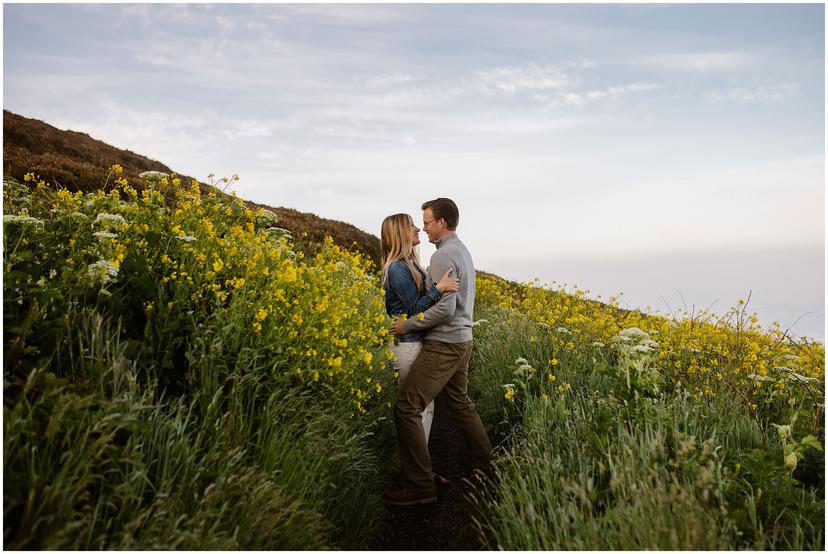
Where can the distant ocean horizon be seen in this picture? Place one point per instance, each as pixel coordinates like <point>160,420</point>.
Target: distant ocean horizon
<point>785,284</point>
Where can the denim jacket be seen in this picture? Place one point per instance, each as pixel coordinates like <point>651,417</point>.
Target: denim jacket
<point>402,296</point>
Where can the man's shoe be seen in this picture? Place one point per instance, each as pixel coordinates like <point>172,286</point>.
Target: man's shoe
<point>441,481</point>
<point>405,497</point>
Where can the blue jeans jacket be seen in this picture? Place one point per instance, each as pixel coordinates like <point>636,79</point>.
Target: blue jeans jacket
<point>402,296</point>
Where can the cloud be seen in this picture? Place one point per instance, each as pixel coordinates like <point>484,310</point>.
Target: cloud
<point>529,77</point>
<point>698,62</point>
<point>760,93</point>
<point>581,99</point>
<point>374,14</point>
<point>504,124</point>
<point>390,79</point>
<point>554,86</point>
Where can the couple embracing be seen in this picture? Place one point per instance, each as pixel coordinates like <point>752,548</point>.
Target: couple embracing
<point>435,343</point>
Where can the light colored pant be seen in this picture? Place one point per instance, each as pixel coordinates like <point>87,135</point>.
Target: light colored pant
<point>406,353</point>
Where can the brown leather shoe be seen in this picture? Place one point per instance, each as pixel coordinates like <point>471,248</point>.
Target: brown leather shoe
<point>441,481</point>
<point>405,497</point>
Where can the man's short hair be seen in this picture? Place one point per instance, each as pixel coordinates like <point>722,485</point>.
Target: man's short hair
<point>444,208</point>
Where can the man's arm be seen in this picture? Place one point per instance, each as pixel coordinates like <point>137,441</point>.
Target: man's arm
<point>443,309</point>
<point>402,283</point>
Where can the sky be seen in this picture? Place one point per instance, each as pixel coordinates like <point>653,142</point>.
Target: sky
<point>675,153</point>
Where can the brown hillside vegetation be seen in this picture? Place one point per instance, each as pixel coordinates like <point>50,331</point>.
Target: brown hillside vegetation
<point>77,161</point>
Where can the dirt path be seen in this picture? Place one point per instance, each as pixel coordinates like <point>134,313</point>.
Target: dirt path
<point>445,525</point>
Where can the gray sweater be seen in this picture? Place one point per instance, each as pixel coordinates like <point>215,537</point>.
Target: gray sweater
<point>450,319</point>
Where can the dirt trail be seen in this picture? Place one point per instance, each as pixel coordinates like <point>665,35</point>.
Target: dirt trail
<point>445,525</point>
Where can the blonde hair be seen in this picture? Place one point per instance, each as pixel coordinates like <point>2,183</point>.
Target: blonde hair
<point>397,244</point>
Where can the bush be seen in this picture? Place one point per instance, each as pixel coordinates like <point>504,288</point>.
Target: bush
<point>178,376</point>
<point>607,443</point>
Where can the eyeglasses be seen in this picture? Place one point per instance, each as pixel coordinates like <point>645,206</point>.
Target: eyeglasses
<point>426,223</point>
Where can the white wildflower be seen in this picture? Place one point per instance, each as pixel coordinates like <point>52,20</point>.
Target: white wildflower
<point>641,349</point>
<point>479,321</point>
<point>649,343</point>
<point>635,333</point>
<point>598,344</point>
<point>278,232</point>
<point>103,271</point>
<point>793,376</point>
<point>109,219</point>
<point>79,214</point>
<point>783,430</point>
<point>22,219</point>
<point>267,217</point>
<point>564,330</point>
<point>187,238</point>
<point>790,461</point>
<point>104,235</point>
<point>153,175</point>
<point>52,274</point>
<point>521,361</point>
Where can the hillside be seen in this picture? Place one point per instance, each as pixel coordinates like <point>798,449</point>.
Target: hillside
<point>178,377</point>
<point>79,162</point>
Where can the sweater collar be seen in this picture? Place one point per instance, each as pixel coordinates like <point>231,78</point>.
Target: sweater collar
<point>446,239</point>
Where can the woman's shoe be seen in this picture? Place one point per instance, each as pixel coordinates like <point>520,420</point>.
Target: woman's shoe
<point>478,474</point>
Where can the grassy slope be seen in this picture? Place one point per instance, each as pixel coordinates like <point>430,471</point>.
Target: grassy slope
<point>593,466</point>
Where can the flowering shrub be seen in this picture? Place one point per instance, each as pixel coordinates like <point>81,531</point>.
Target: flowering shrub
<point>623,430</point>
<point>703,354</point>
<point>203,286</point>
<point>633,359</point>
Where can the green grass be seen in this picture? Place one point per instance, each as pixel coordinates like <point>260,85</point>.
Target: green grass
<point>179,426</point>
<point>146,414</point>
<point>600,467</point>
<point>115,468</point>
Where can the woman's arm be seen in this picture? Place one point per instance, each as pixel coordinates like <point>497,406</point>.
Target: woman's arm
<point>402,283</point>
<point>441,311</point>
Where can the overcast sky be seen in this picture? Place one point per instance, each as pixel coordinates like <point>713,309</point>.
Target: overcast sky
<point>672,152</point>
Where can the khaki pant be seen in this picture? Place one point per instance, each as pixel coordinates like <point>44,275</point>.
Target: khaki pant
<point>440,367</point>
<point>405,354</point>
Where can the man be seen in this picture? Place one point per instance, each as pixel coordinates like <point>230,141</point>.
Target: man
<point>442,364</point>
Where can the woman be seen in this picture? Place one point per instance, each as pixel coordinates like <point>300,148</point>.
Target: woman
<point>407,292</point>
